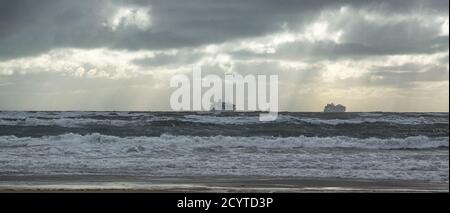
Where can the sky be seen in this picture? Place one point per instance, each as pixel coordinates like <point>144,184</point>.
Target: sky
<point>382,55</point>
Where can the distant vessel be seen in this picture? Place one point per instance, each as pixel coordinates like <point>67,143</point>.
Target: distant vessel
<point>222,106</point>
<point>334,108</point>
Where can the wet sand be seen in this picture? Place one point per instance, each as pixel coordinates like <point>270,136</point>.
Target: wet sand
<point>116,183</point>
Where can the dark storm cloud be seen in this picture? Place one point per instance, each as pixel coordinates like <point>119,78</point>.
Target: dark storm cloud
<point>30,27</point>
<point>362,37</point>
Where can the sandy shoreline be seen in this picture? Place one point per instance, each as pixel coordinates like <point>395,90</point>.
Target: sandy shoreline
<point>116,183</point>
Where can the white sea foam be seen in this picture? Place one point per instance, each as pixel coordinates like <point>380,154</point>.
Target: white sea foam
<point>407,158</point>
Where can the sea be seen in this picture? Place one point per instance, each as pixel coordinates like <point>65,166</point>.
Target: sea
<point>374,145</point>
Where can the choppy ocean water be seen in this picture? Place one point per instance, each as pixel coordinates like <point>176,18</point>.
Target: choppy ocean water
<point>411,146</point>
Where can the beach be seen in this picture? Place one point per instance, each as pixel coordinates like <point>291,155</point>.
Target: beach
<point>224,184</point>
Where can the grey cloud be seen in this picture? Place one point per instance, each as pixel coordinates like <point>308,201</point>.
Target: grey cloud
<point>362,37</point>
<point>166,59</point>
<point>429,73</point>
<point>407,67</point>
<point>307,75</point>
<point>329,50</point>
<point>404,76</point>
<point>444,60</point>
<point>398,35</point>
<point>30,27</point>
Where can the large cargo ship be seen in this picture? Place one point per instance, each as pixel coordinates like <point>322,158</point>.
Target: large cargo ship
<point>222,106</point>
<point>334,108</point>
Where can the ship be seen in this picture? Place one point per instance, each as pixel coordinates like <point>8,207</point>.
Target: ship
<point>222,106</point>
<point>334,108</point>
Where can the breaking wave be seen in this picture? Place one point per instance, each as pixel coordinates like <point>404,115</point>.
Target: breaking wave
<point>418,158</point>
<point>349,145</point>
<point>415,142</point>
